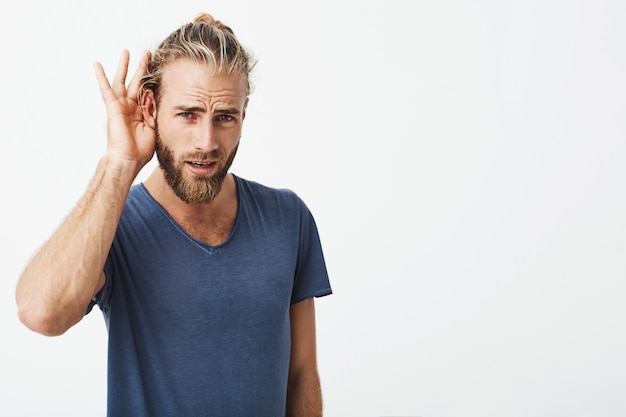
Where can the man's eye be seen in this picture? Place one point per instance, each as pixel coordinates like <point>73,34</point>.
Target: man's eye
<point>185,115</point>
<point>224,118</point>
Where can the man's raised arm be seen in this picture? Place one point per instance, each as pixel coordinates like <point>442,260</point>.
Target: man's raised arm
<point>57,285</point>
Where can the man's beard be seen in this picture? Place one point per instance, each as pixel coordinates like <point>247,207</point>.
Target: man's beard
<point>192,189</point>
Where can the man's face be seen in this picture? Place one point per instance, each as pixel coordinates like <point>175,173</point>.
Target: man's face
<point>199,123</point>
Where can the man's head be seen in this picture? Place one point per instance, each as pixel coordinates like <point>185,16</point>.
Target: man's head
<point>206,41</point>
<point>195,95</point>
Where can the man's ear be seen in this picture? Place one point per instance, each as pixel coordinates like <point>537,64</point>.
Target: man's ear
<point>148,108</point>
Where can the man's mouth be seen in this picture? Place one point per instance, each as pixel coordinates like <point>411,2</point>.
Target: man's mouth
<point>201,164</point>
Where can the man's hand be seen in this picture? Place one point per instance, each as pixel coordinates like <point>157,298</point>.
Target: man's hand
<point>129,138</point>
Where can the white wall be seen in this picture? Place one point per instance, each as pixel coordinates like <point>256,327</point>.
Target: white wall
<point>464,161</point>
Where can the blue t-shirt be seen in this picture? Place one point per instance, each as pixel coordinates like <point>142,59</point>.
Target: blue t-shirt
<point>199,330</point>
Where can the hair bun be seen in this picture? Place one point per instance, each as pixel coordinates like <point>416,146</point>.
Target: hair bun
<point>207,19</point>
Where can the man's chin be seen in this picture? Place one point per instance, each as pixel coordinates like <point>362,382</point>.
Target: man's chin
<point>197,191</point>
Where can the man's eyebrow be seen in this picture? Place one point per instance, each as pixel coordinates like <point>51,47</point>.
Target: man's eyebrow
<point>227,110</point>
<point>190,109</point>
<point>201,109</point>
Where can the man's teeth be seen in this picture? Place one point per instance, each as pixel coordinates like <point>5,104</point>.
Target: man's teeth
<point>198,164</point>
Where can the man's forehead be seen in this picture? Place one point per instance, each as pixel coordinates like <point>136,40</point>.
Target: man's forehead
<point>195,85</point>
<point>185,70</point>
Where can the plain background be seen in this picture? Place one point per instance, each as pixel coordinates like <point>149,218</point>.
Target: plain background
<point>464,161</point>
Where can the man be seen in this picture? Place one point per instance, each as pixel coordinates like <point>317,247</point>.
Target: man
<point>206,280</point>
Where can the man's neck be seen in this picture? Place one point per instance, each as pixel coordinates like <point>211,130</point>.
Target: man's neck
<point>210,222</point>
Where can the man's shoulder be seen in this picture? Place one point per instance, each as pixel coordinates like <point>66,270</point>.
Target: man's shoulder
<point>140,203</point>
<point>258,190</point>
<point>138,195</point>
<point>137,191</point>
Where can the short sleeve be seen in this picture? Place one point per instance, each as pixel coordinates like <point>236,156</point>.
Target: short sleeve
<point>311,276</point>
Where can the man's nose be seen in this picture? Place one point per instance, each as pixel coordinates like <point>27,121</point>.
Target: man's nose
<point>206,140</point>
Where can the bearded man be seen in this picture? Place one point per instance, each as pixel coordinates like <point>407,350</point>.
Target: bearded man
<point>206,280</point>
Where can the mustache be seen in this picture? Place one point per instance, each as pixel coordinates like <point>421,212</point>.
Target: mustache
<point>200,156</point>
<point>215,154</point>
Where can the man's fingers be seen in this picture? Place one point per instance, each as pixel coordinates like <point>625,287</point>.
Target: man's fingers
<point>119,82</point>
<point>113,91</point>
<point>103,82</point>
<point>142,69</point>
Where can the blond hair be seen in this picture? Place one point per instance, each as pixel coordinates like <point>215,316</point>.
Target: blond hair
<point>204,40</point>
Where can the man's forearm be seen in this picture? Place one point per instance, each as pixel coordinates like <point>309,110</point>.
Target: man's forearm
<point>304,396</point>
<point>57,285</point>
